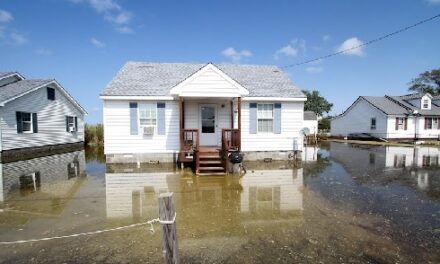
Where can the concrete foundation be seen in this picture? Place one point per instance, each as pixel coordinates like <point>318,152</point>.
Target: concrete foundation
<point>142,158</point>
<point>13,155</point>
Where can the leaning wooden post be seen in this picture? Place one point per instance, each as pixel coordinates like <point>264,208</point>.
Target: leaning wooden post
<point>167,216</point>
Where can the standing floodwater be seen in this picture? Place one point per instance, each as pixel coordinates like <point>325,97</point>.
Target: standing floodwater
<point>349,203</point>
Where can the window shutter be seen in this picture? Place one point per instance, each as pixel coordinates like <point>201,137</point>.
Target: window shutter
<point>397,123</point>
<point>76,124</point>
<point>161,118</point>
<point>19,122</point>
<point>67,123</point>
<point>405,123</point>
<point>277,118</point>
<point>253,118</point>
<point>438,123</point>
<point>426,123</point>
<point>34,123</point>
<point>133,119</point>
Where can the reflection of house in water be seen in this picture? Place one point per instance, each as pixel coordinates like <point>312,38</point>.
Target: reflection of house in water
<point>261,192</point>
<point>309,153</point>
<point>414,166</point>
<point>42,184</point>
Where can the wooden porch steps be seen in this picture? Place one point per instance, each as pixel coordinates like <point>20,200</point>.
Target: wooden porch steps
<point>209,161</point>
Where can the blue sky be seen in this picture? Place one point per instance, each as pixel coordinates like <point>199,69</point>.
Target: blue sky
<point>83,43</point>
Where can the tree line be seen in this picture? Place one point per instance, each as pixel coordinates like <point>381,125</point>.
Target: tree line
<point>94,134</point>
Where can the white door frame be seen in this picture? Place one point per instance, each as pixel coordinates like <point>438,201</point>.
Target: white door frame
<point>208,139</point>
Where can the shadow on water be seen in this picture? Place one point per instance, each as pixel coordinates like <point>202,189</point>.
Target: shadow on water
<point>341,204</point>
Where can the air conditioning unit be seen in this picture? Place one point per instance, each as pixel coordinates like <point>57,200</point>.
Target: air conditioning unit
<point>71,129</point>
<point>148,130</point>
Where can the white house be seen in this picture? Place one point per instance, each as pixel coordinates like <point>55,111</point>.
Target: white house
<point>311,122</point>
<point>35,114</point>
<point>179,112</point>
<point>413,116</point>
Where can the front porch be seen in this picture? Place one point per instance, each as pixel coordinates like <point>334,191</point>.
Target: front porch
<point>209,134</point>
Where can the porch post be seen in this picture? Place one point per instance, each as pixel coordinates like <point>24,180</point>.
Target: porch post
<point>239,122</point>
<point>181,121</point>
<point>232,114</point>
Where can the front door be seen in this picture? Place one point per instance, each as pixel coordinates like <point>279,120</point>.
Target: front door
<point>208,125</point>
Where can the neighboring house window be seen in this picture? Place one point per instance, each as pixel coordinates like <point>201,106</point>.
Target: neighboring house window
<point>431,123</point>
<point>399,160</point>
<point>425,104</point>
<point>401,123</point>
<point>50,93</point>
<point>265,117</point>
<point>373,123</point>
<point>147,115</point>
<point>26,122</point>
<point>429,161</point>
<point>71,124</point>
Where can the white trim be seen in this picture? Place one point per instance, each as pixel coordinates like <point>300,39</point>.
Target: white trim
<point>60,88</point>
<point>178,89</point>
<point>12,74</point>
<point>275,99</point>
<point>137,97</point>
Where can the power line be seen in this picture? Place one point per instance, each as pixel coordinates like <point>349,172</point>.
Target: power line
<point>363,44</point>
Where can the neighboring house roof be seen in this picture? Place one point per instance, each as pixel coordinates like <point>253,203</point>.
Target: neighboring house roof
<point>4,74</point>
<point>398,105</point>
<point>157,79</point>
<point>19,88</point>
<point>310,115</point>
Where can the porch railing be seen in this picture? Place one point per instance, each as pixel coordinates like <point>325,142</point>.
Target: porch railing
<point>231,140</point>
<point>189,140</point>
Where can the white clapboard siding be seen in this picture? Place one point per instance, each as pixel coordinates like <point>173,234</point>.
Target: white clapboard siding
<point>291,124</point>
<point>290,183</point>
<point>223,118</point>
<point>117,138</point>
<point>51,121</point>
<point>357,119</point>
<point>53,172</point>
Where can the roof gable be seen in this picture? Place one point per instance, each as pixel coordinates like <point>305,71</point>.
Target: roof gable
<point>209,81</point>
<point>146,79</point>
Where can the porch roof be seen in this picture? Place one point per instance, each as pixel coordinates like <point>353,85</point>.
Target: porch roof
<point>157,79</point>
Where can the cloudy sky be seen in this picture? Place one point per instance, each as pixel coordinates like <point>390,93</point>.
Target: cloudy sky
<point>83,43</point>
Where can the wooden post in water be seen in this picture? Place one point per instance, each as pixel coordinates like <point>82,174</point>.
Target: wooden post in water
<point>167,212</point>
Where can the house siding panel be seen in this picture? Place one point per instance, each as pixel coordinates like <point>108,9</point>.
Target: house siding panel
<point>357,119</point>
<point>117,138</point>
<point>51,121</point>
<point>288,139</point>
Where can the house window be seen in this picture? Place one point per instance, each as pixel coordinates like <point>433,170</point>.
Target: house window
<point>429,161</point>
<point>373,123</point>
<point>71,124</point>
<point>24,121</point>
<point>400,123</point>
<point>50,93</point>
<point>425,104</point>
<point>431,123</point>
<point>147,115</point>
<point>399,160</point>
<point>265,117</point>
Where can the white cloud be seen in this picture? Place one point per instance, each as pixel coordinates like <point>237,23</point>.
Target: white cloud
<point>292,49</point>
<point>314,69</point>
<point>44,51</point>
<point>433,1</point>
<point>235,55</point>
<point>97,43</point>
<point>95,109</point>
<point>351,46</point>
<point>17,39</point>
<point>112,12</point>
<point>5,16</point>
<point>326,37</point>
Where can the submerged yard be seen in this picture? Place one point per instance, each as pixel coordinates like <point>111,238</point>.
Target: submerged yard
<point>351,204</point>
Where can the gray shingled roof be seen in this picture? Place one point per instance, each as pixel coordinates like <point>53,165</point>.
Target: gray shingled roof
<point>17,88</point>
<point>309,115</point>
<point>157,79</point>
<point>435,110</point>
<point>386,105</point>
<point>3,74</point>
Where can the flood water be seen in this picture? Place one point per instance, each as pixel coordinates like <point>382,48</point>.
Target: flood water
<point>343,204</point>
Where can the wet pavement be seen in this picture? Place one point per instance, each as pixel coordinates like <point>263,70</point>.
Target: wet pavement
<point>344,204</point>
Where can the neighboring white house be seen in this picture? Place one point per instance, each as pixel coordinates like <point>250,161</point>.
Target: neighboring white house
<point>154,111</point>
<point>311,122</point>
<point>413,116</point>
<point>37,113</point>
